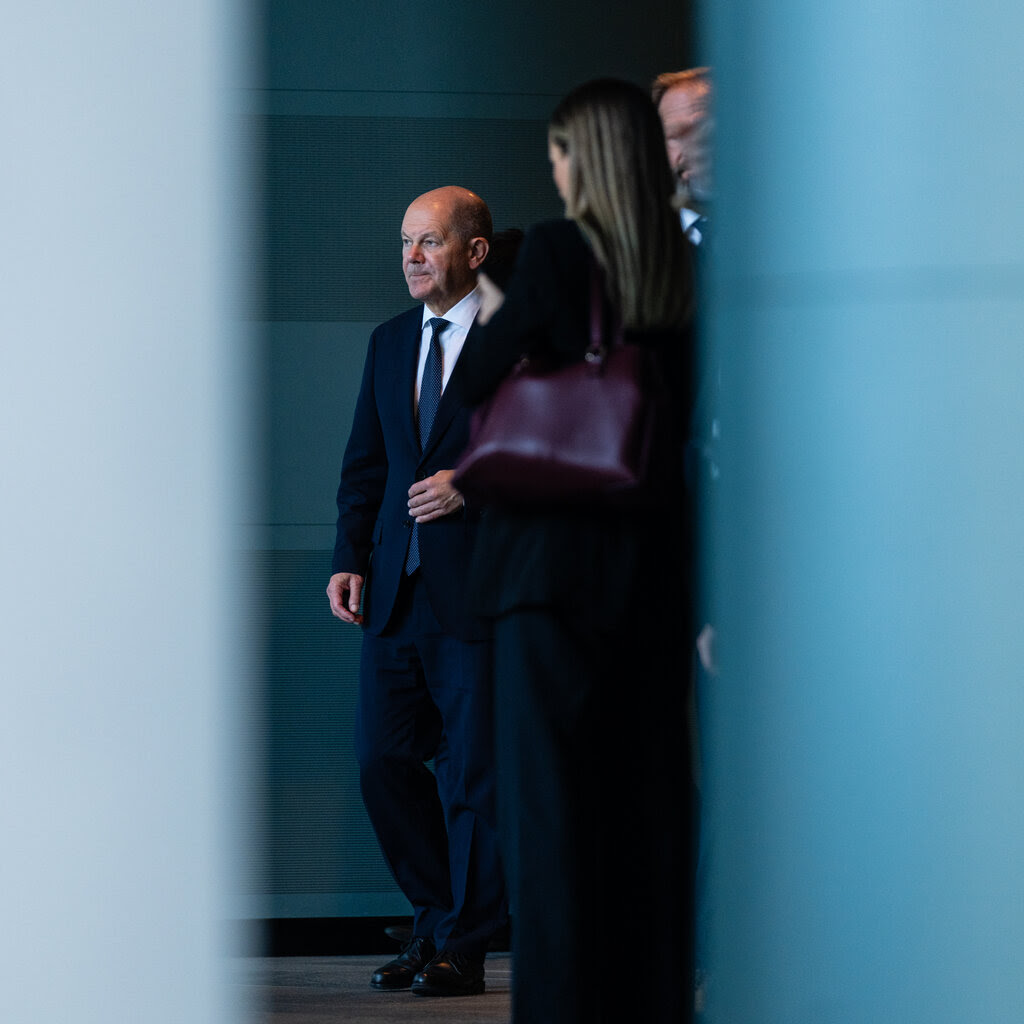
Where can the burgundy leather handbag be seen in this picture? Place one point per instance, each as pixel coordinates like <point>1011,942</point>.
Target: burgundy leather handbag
<point>578,433</point>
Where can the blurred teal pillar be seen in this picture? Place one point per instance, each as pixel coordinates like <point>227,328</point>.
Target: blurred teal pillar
<point>866,736</point>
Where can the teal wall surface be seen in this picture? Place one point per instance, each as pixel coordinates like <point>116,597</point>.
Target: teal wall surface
<point>866,769</point>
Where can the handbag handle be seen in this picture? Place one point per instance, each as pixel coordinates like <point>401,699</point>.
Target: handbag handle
<point>597,350</point>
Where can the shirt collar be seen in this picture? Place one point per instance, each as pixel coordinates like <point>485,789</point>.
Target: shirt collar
<point>462,313</point>
<point>688,217</point>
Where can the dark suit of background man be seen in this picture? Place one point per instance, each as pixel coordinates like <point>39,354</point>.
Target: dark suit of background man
<point>684,99</point>
<point>403,546</point>
<point>684,102</point>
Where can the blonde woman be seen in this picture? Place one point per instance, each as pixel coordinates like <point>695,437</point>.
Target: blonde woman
<point>591,606</point>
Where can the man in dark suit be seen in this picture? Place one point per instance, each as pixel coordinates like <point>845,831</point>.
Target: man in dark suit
<point>684,102</point>
<point>403,545</point>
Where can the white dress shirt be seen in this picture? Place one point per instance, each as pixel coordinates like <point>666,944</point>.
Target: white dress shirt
<point>689,218</point>
<point>460,318</point>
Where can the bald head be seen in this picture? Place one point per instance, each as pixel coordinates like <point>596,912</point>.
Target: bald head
<point>445,237</point>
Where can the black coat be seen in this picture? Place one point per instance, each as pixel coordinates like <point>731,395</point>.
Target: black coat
<point>382,461</point>
<point>578,559</point>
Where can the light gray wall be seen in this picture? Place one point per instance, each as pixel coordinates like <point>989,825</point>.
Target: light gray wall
<point>123,467</point>
<point>866,762</point>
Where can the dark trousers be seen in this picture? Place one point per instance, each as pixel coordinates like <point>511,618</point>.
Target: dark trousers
<point>424,694</point>
<point>595,803</point>
<point>703,689</point>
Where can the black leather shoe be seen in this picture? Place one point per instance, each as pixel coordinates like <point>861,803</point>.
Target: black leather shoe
<point>450,974</point>
<point>399,973</point>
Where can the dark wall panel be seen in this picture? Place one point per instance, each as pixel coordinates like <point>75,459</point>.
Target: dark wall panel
<point>336,188</point>
<point>465,46</point>
<point>321,855</point>
<point>364,107</point>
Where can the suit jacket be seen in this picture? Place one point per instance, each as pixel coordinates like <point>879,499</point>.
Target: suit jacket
<point>598,563</point>
<point>382,461</point>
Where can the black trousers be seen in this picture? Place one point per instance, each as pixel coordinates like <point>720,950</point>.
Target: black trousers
<point>596,812</point>
<point>424,694</point>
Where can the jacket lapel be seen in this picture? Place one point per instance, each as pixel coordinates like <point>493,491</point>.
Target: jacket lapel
<point>404,377</point>
<point>451,402</point>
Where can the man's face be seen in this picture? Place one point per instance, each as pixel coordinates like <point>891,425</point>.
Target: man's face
<point>439,267</point>
<point>686,117</point>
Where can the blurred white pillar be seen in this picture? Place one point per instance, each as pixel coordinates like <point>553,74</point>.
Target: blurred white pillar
<point>867,737</point>
<point>120,421</point>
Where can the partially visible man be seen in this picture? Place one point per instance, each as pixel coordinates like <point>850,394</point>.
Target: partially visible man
<point>684,102</point>
<point>683,99</point>
<point>404,539</point>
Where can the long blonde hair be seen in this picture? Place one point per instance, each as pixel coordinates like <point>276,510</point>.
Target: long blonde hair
<point>620,193</point>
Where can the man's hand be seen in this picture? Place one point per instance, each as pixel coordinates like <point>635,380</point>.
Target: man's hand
<point>492,298</point>
<point>434,497</point>
<point>344,592</point>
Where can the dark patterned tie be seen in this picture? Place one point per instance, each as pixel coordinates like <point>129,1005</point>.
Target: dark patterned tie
<point>433,373</point>
<point>430,398</point>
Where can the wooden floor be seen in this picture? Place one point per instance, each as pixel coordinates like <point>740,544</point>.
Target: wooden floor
<point>336,990</point>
